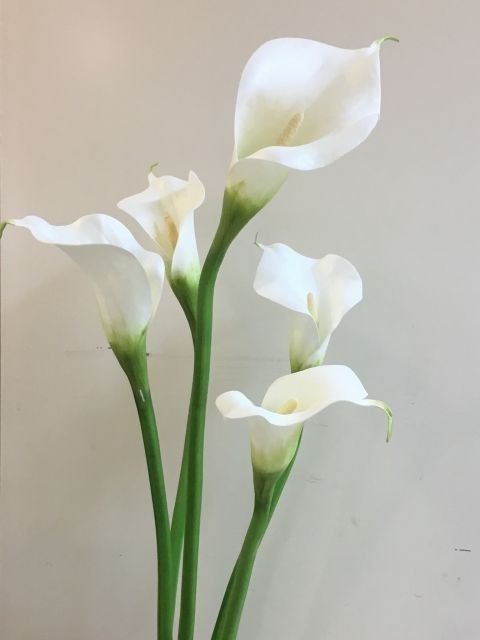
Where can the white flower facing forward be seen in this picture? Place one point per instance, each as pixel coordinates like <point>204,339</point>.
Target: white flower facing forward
<point>301,104</point>
<point>165,210</point>
<point>276,425</point>
<point>322,291</point>
<point>127,279</point>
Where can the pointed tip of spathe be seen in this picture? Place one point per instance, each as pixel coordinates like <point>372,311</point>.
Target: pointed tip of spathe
<point>389,413</point>
<point>152,167</point>
<point>2,227</point>
<point>256,242</point>
<point>380,41</point>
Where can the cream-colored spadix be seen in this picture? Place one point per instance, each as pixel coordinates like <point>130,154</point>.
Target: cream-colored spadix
<point>165,210</point>
<point>127,279</point>
<point>276,424</point>
<point>322,291</point>
<point>301,104</point>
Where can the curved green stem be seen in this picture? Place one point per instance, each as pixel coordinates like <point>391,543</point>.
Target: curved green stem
<point>186,293</point>
<point>229,596</point>
<point>162,526</point>
<point>195,435</point>
<point>134,363</point>
<point>226,627</point>
<point>177,530</point>
<point>236,212</point>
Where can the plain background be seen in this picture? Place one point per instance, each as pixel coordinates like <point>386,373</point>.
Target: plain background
<point>365,543</point>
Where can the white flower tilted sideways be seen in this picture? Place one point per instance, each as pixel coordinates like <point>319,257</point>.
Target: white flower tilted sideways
<point>165,210</point>
<point>127,279</point>
<point>301,104</point>
<point>276,424</point>
<point>320,292</point>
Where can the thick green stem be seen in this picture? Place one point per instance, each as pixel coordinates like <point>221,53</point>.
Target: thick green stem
<point>228,620</point>
<point>276,493</point>
<point>186,293</point>
<point>236,212</point>
<point>134,363</point>
<point>195,435</point>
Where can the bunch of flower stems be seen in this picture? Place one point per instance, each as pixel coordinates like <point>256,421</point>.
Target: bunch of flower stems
<point>182,533</point>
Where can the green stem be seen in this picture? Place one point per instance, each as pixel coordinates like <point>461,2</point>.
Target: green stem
<point>228,622</point>
<point>134,363</point>
<point>225,234</point>
<point>276,493</point>
<point>177,530</point>
<point>186,293</point>
<point>236,212</point>
<point>195,439</point>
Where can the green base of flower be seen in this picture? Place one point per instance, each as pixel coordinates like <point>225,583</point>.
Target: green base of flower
<point>185,288</point>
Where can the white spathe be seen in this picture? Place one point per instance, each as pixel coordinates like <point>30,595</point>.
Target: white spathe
<point>322,291</point>
<point>127,279</point>
<point>276,424</point>
<point>301,104</point>
<point>165,210</point>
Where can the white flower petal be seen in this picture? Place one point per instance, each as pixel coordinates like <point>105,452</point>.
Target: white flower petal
<point>324,289</point>
<point>234,404</point>
<point>313,389</point>
<point>165,210</point>
<point>127,279</point>
<point>303,104</point>
<point>274,432</point>
<point>339,289</point>
<point>285,277</point>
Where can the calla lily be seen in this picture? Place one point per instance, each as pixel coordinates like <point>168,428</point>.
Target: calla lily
<point>127,279</point>
<point>165,210</point>
<point>321,292</point>
<point>301,104</point>
<point>276,424</point>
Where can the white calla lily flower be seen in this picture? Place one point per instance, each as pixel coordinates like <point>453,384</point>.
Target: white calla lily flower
<point>301,104</point>
<point>127,279</point>
<point>165,210</point>
<point>276,424</point>
<point>322,291</point>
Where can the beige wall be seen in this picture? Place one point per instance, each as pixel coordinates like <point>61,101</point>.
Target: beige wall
<point>364,542</point>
